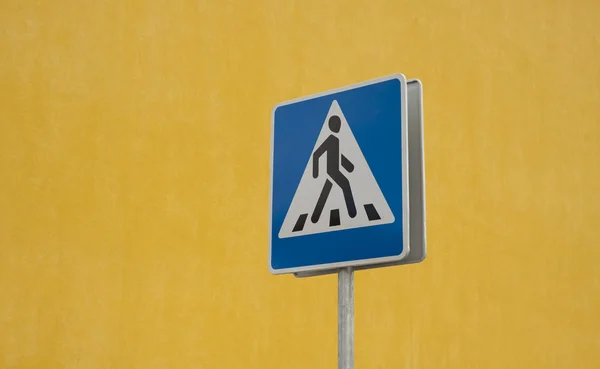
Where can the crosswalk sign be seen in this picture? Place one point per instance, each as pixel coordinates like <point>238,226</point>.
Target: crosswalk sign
<point>339,178</point>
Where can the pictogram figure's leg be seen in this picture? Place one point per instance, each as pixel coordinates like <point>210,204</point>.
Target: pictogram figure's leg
<point>343,182</point>
<point>316,215</point>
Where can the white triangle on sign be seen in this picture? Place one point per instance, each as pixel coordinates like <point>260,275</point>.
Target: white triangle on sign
<point>370,205</point>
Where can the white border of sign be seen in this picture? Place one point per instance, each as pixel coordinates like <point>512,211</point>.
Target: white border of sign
<point>405,179</point>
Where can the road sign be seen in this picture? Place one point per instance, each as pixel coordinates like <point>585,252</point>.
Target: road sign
<point>340,179</point>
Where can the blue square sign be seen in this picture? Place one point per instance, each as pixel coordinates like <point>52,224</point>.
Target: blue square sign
<point>339,178</point>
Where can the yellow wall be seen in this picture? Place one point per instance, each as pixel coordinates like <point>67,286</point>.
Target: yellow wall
<point>134,169</point>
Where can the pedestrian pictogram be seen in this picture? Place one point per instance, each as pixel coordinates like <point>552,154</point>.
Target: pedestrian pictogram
<point>337,190</point>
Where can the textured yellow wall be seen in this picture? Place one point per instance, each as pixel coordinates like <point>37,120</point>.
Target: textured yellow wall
<point>134,164</point>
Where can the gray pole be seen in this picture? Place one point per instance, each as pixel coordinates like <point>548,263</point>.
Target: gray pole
<point>346,318</point>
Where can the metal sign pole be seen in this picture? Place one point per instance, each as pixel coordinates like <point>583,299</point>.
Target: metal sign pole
<point>346,318</point>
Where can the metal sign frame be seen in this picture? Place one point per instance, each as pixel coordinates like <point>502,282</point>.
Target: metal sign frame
<point>416,189</point>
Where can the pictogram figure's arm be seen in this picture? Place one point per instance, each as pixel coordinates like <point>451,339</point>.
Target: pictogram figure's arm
<point>318,153</point>
<point>347,164</point>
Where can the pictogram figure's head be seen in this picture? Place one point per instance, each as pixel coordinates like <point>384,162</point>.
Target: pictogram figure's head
<point>335,123</point>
